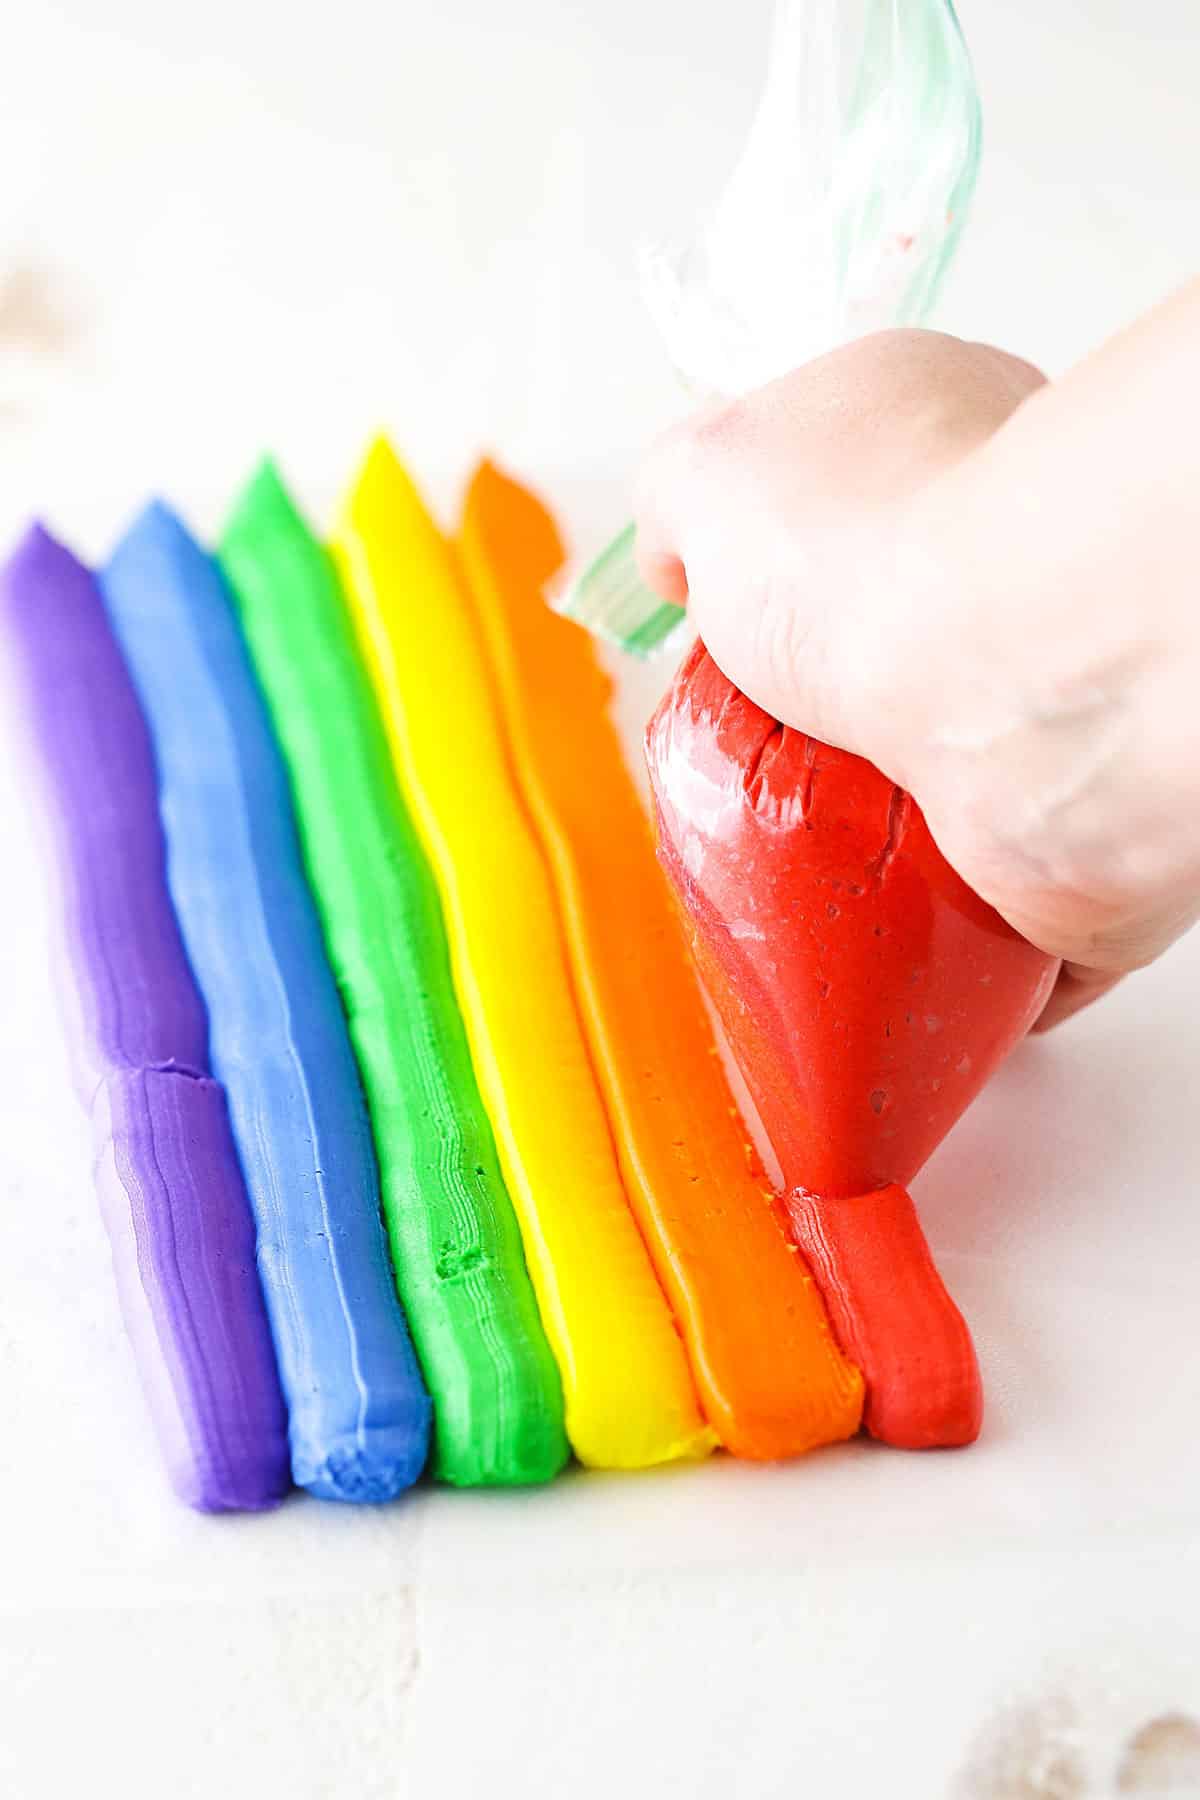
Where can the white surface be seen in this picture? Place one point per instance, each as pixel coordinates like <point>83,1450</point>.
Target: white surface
<point>255,234</point>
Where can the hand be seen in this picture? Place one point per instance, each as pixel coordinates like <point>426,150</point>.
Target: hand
<point>874,551</point>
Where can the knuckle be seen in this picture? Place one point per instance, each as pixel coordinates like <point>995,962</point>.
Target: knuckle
<point>718,431</point>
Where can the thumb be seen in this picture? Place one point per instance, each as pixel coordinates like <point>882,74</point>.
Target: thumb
<point>762,572</point>
<point>778,517</point>
<point>663,504</point>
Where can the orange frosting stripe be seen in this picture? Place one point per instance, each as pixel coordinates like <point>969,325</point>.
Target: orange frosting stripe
<point>772,1380</point>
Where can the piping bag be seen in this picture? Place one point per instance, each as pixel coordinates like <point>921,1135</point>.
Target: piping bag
<point>866,992</point>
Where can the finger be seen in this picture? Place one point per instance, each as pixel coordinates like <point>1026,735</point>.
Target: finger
<point>662,572</point>
<point>708,534</point>
<point>667,493</point>
<point>659,503</point>
<point>1077,987</point>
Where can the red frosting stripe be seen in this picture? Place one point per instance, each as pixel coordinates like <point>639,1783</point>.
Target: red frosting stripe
<point>867,993</point>
<point>891,1313</point>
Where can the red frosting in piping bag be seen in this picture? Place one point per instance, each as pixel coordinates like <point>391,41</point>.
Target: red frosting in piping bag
<point>867,994</point>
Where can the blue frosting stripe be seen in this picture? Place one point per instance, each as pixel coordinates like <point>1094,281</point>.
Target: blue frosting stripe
<point>360,1416</point>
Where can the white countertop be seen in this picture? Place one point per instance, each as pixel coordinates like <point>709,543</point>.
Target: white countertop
<point>231,229</point>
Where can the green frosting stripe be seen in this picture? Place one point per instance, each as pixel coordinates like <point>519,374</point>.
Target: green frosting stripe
<point>455,1245</point>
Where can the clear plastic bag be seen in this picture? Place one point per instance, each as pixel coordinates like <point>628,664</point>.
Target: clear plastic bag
<point>840,218</point>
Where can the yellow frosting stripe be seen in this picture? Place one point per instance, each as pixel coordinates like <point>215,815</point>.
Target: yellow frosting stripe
<point>629,1395</point>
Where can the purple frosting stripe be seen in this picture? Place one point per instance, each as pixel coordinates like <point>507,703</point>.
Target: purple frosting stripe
<point>170,1183</point>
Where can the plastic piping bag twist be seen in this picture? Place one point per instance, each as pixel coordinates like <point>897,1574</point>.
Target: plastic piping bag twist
<point>840,218</point>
